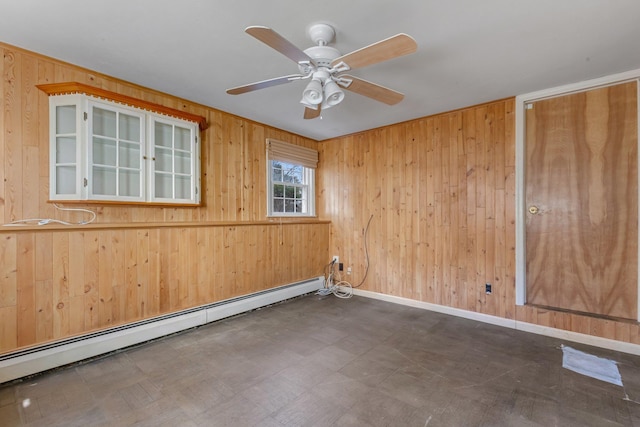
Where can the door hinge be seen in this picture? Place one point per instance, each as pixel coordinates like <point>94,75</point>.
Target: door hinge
<point>85,182</point>
<point>86,116</point>
<point>196,190</point>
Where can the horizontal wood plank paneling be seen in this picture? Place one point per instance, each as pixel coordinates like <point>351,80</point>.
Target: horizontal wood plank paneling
<point>441,191</point>
<point>135,261</point>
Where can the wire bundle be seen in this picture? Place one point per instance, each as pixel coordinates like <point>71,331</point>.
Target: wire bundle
<point>342,288</point>
<point>45,221</point>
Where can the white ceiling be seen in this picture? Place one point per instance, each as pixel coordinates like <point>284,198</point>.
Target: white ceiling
<point>469,51</point>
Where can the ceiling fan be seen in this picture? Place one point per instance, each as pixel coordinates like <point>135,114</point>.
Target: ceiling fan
<point>325,66</point>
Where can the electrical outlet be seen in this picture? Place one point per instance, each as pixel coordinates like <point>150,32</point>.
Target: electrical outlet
<point>340,266</point>
<point>348,270</point>
<point>336,259</point>
<point>487,288</point>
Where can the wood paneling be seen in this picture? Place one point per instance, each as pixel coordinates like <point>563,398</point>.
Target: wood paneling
<point>441,191</point>
<point>109,277</point>
<point>135,261</point>
<point>582,244</point>
<point>436,190</point>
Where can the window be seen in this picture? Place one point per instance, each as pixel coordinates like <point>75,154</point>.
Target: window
<point>291,179</point>
<point>107,151</point>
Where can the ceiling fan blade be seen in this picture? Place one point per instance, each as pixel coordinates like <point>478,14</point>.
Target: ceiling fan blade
<point>371,90</point>
<point>264,84</point>
<point>274,40</point>
<point>393,47</point>
<point>310,113</point>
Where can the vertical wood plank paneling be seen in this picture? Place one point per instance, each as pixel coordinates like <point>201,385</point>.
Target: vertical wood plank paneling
<point>105,279</point>
<point>13,142</point>
<point>153,278</point>
<point>8,277</point>
<point>8,292</point>
<point>26,295</point>
<point>3,131</point>
<point>119,276</point>
<point>44,310</point>
<point>8,328</point>
<point>91,280</point>
<point>61,295</point>
<point>131,294</point>
<point>459,232</point>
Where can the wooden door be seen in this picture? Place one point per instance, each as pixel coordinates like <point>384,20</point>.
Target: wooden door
<point>582,201</point>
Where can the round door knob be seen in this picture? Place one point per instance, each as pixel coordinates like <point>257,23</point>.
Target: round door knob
<point>533,210</point>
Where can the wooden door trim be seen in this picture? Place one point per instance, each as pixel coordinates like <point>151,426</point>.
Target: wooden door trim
<point>520,129</point>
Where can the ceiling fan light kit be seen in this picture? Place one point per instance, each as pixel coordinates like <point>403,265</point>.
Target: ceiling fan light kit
<point>324,65</point>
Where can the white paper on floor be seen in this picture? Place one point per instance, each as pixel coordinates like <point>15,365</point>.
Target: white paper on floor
<point>590,365</point>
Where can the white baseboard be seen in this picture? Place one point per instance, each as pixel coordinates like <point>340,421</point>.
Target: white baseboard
<point>34,360</point>
<point>607,343</point>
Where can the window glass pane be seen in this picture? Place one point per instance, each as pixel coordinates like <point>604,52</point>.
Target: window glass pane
<point>277,172</point>
<point>278,190</point>
<point>163,134</point>
<point>104,181</point>
<point>183,187</point>
<point>182,138</point>
<point>278,205</point>
<point>129,155</point>
<point>289,192</point>
<point>65,180</point>
<point>163,160</point>
<point>289,206</point>
<point>129,128</point>
<point>65,119</point>
<point>298,193</point>
<point>65,149</point>
<point>104,122</point>
<point>298,204</point>
<point>129,183</point>
<point>293,174</point>
<point>164,188</point>
<point>183,162</point>
<point>104,151</point>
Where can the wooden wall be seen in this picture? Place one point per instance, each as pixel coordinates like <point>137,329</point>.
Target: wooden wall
<point>136,261</point>
<point>441,190</point>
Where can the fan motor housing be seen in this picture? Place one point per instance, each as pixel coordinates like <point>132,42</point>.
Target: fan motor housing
<point>323,55</point>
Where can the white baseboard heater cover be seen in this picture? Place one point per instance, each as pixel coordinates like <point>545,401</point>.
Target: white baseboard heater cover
<point>38,359</point>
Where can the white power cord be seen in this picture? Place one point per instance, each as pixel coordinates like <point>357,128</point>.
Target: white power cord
<point>45,221</point>
<point>340,288</point>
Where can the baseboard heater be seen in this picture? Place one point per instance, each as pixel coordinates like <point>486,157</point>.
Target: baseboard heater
<point>42,358</point>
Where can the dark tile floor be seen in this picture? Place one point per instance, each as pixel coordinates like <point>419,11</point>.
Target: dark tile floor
<point>322,361</point>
